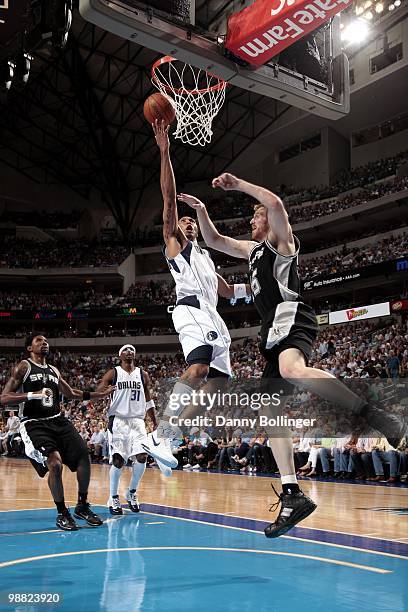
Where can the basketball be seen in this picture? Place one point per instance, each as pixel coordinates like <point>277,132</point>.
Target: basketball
<point>158,107</point>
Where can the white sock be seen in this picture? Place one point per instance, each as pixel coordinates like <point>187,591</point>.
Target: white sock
<point>290,479</point>
<point>138,470</point>
<point>114,477</point>
<point>174,406</point>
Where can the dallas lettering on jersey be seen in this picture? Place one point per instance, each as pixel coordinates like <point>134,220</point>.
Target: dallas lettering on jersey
<point>129,384</point>
<point>259,32</point>
<point>45,378</point>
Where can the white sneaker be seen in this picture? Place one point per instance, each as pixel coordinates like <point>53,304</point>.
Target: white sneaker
<point>132,500</point>
<point>160,449</point>
<point>196,467</point>
<point>166,471</point>
<point>187,466</point>
<point>114,505</point>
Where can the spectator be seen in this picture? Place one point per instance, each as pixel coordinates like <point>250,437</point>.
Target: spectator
<point>13,428</point>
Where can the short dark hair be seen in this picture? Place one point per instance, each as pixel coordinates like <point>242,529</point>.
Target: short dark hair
<point>30,338</point>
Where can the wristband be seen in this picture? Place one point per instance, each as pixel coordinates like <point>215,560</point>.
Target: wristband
<point>240,291</point>
<point>31,395</point>
<point>86,395</point>
<point>150,404</point>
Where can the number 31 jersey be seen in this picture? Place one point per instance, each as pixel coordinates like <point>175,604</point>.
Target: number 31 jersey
<point>128,400</point>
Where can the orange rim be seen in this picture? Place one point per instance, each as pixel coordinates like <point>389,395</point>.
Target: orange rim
<point>166,60</point>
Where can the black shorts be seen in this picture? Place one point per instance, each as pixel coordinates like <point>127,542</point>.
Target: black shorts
<point>302,334</point>
<point>58,434</point>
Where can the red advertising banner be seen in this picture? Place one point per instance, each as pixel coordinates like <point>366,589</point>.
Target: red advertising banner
<point>399,305</point>
<point>267,27</point>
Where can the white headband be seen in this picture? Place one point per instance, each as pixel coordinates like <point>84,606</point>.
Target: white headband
<point>127,346</point>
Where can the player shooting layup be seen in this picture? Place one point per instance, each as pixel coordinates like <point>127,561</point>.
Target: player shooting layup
<point>203,334</point>
<point>289,326</point>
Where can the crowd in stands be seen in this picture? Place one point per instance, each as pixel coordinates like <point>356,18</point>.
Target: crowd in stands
<point>336,262</point>
<point>234,204</point>
<point>163,292</point>
<point>355,350</point>
<point>42,218</point>
<point>153,292</point>
<point>20,300</point>
<point>24,253</point>
<point>301,214</point>
<point>353,178</point>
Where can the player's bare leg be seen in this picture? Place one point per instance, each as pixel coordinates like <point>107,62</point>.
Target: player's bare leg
<point>293,368</point>
<point>83,509</point>
<point>64,518</point>
<point>295,505</point>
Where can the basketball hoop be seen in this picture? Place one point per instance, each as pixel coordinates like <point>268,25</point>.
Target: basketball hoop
<point>195,94</point>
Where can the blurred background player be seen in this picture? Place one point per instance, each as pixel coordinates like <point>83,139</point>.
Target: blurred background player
<point>50,439</point>
<point>128,439</point>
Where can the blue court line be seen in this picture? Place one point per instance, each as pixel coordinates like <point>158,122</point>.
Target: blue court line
<point>343,539</point>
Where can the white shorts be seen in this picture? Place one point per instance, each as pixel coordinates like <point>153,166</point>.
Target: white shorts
<point>203,326</point>
<point>126,437</point>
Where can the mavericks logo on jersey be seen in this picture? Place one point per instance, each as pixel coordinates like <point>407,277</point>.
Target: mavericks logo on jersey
<point>212,335</point>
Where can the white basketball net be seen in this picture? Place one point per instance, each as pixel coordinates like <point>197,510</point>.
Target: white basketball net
<point>195,94</point>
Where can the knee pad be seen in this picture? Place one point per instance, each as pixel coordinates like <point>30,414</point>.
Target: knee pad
<point>142,458</point>
<point>118,461</point>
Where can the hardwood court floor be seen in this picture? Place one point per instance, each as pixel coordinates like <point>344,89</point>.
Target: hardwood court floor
<point>374,511</point>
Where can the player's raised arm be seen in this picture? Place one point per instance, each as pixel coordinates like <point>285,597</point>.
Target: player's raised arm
<point>280,231</point>
<point>10,397</point>
<point>212,237</point>
<point>168,188</point>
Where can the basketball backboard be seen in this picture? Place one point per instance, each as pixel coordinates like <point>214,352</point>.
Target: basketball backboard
<point>193,31</point>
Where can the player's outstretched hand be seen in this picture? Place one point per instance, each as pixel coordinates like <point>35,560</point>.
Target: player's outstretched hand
<point>226,181</point>
<point>191,201</point>
<point>107,390</point>
<point>161,133</point>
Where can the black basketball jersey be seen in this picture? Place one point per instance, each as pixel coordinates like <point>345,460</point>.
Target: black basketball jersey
<point>36,378</point>
<point>274,278</point>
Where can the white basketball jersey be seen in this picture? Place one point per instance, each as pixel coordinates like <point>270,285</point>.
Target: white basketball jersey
<point>194,273</point>
<point>128,400</point>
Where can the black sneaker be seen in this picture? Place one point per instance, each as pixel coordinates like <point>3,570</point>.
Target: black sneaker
<point>66,522</point>
<point>83,511</point>
<point>295,507</point>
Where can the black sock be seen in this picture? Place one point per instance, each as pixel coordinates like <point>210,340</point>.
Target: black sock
<point>290,489</point>
<point>82,497</point>
<point>61,507</point>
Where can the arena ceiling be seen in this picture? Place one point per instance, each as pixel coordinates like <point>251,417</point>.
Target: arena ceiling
<point>79,122</point>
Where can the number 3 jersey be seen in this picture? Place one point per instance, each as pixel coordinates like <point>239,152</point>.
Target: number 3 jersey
<point>128,400</point>
<point>35,379</point>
